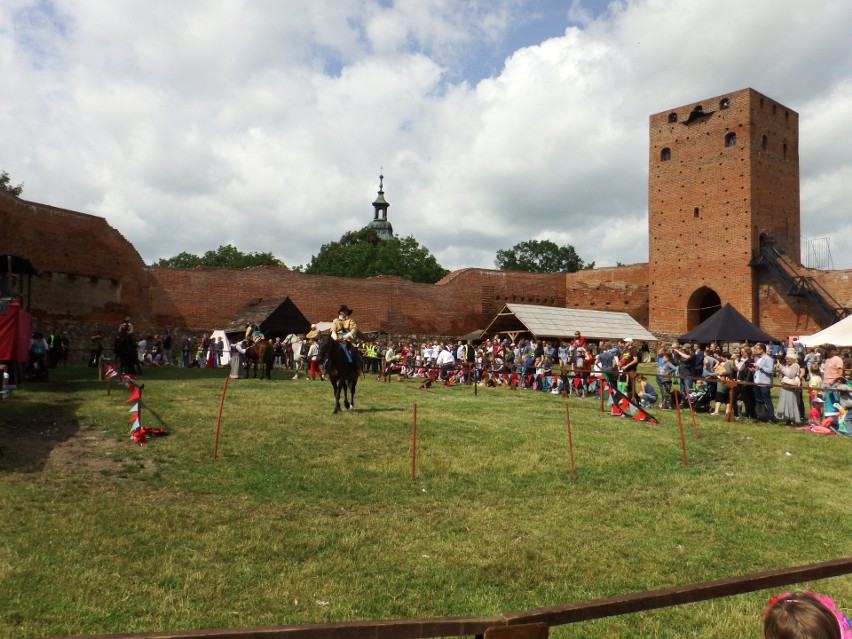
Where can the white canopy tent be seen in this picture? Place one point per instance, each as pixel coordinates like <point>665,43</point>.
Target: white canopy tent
<point>839,334</point>
<point>226,354</point>
<point>550,321</point>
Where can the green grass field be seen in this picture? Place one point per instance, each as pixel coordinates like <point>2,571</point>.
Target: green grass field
<point>308,517</point>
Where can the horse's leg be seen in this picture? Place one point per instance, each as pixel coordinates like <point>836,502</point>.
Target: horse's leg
<point>352,395</point>
<point>336,387</point>
<point>345,384</point>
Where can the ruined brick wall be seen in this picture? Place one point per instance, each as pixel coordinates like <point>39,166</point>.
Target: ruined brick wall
<point>88,272</point>
<point>619,288</point>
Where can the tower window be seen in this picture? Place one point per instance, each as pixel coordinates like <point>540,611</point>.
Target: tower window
<point>785,150</point>
<point>695,212</point>
<point>724,103</point>
<point>763,143</point>
<point>731,139</point>
<point>672,117</point>
<point>666,154</point>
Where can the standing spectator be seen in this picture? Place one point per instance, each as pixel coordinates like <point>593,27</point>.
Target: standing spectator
<point>96,350</point>
<point>238,351</point>
<point>220,352</point>
<point>682,358</point>
<point>832,371</point>
<point>205,347</point>
<point>54,348</point>
<point>167,345</point>
<point>37,365</point>
<point>278,353</point>
<point>723,371</point>
<point>185,350</point>
<point>141,348</point>
<point>763,370</point>
<point>631,363</point>
<point>665,369</point>
<point>744,372</point>
<point>313,357</point>
<point>788,405</point>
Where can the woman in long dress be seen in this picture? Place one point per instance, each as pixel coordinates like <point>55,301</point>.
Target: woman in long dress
<point>788,404</point>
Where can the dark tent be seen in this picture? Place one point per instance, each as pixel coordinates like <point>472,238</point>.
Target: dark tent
<point>726,325</point>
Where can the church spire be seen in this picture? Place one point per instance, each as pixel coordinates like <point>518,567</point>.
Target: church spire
<point>380,222</point>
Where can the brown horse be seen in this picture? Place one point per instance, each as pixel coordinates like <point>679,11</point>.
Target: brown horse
<point>260,352</point>
<point>342,372</point>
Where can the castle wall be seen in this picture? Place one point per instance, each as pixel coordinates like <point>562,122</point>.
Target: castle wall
<point>88,272</point>
<point>462,302</point>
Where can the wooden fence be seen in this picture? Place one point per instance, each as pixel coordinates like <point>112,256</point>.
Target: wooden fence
<point>552,616</point>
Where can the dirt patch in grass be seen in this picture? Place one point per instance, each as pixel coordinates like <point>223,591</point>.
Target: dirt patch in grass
<point>59,446</point>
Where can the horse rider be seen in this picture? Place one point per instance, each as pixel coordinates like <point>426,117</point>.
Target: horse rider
<point>344,330</point>
<point>253,334</point>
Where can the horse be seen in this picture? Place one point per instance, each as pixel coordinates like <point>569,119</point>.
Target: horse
<point>260,352</point>
<point>342,372</point>
<point>125,350</point>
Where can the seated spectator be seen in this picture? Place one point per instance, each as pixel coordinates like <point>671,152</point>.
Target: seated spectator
<point>804,615</point>
<point>647,395</point>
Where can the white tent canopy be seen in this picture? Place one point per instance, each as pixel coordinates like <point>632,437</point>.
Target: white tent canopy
<point>226,355</point>
<point>549,321</point>
<point>839,334</point>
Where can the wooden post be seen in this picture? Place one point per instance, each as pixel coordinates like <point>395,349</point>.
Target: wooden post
<point>414,443</point>
<point>680,426</point>
<point>219,418</point>
<point>729,414</point>
<point>692,414</point>
<point>570,441</point>
<point>603,390</point>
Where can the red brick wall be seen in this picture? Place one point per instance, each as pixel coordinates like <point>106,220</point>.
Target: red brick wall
<point>87,271</point>
<point>462,302</point>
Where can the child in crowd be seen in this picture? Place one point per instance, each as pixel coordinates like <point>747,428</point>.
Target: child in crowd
<point>815,382</point>
<point>804,615</point>
<point>817,423</point>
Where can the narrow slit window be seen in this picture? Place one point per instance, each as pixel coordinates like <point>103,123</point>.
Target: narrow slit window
<point>666,154</point>
<point>731,139</point>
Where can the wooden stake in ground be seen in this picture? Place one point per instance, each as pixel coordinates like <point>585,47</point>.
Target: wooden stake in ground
<point>692,413</point>
<point>414,443</point>
<point>219,418</point>
<point>680,425</point>
<point>570,441</point>
<point>603,390</point>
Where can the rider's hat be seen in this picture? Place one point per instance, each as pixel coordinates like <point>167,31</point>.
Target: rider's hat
<point>344,309</point>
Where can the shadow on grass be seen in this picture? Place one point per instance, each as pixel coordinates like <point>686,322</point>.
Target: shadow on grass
<point>35,421</point>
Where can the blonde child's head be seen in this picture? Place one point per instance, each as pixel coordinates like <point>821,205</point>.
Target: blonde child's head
<point>802,615</point>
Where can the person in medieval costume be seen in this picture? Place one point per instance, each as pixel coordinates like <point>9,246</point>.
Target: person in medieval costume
<point>253,334</point>
<point>344,330</point>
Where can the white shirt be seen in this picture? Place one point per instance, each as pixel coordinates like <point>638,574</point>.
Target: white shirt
<point>445,357</point>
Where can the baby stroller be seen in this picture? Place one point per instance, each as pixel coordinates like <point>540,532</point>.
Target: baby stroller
<point>700,396</point>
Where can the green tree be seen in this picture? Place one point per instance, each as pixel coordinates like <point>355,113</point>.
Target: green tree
<point>364,254</point>
<point>226,256</point>
<point>6,186</point>
<point>540,256</point>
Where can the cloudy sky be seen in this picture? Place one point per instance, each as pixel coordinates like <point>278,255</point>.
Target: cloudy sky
<point>264,123</point>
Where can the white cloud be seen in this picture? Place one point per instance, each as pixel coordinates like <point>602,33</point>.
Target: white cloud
<point>191,124</point>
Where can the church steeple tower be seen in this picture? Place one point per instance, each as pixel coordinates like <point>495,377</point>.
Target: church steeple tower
<point>380,222</point>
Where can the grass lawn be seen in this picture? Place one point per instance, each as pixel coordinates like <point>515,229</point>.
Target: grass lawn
<point>308,517</point>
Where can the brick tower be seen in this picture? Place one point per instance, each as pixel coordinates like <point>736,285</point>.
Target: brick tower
<point>723,177</point>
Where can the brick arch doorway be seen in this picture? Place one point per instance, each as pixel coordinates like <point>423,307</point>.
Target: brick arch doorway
<point>701,305</point>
